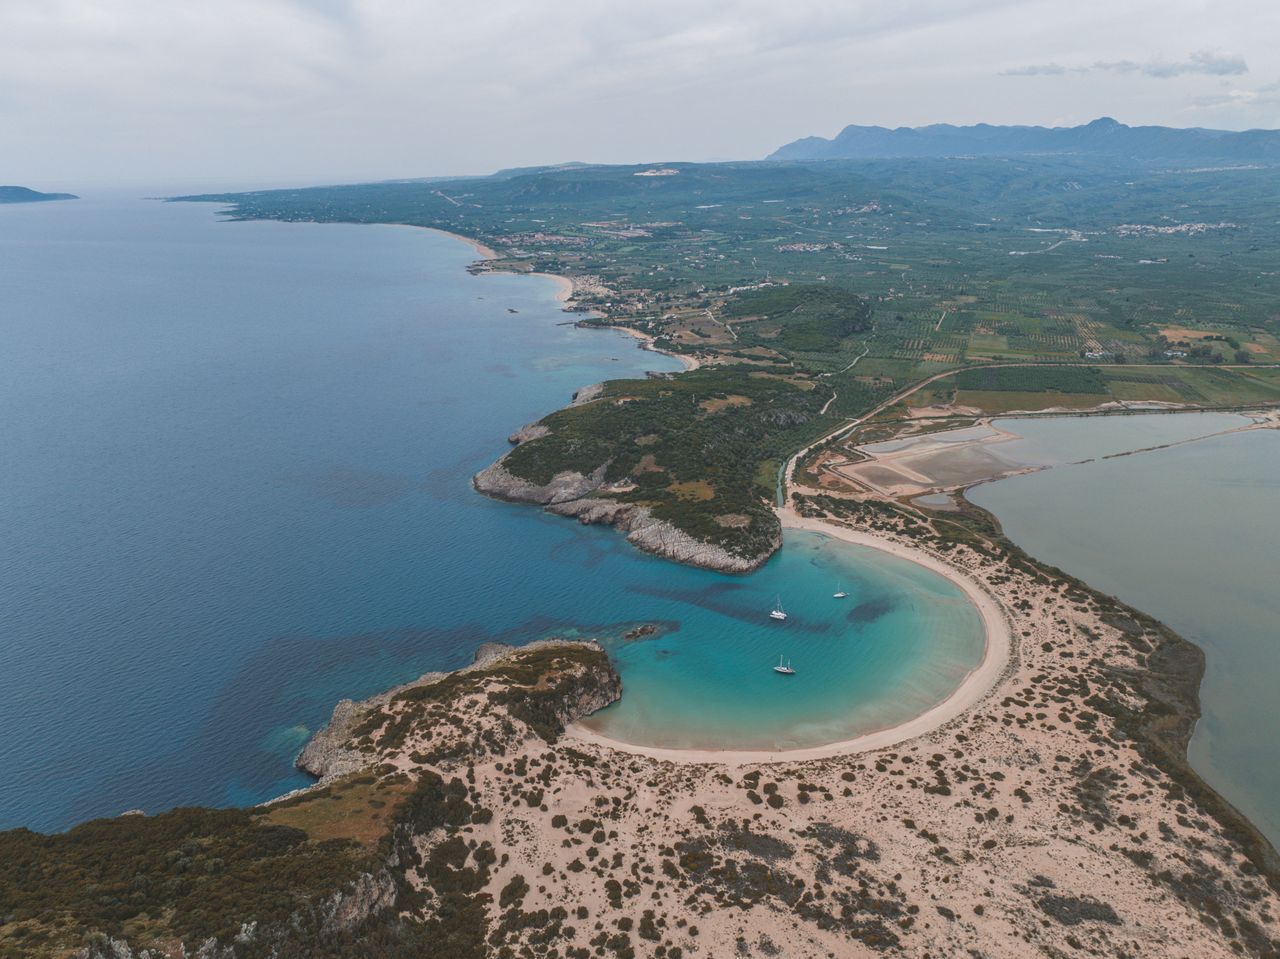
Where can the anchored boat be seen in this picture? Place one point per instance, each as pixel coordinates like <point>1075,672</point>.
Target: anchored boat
<point>785,670</point>
<point>778,612</point>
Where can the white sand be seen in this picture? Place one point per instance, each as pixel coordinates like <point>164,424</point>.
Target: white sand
<point>486,252</point>
<point>968,694</point>
<point>688,362</point>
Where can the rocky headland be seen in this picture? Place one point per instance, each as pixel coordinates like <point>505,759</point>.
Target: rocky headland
<point>586,499</point>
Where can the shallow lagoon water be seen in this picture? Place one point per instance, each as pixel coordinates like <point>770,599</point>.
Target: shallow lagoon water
<point>1189,535</point>
<point>235,489</point>
<point>899,643</point>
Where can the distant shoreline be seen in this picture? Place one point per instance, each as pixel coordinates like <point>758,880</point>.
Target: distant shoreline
<point>485,251</point>
<point>565,288</point>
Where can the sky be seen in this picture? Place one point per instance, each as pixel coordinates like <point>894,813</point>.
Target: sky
<point>277,92</point>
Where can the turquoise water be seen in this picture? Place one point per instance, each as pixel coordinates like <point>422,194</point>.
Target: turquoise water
<point>235,488</point>
<point>898,644</point>
<point>1189,535</point>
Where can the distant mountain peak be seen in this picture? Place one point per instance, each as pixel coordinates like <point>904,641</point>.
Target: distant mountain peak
<point>1105,136</point>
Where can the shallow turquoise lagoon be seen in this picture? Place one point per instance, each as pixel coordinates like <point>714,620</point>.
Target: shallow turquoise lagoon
<point>901,642</point>
<point>236,487</point>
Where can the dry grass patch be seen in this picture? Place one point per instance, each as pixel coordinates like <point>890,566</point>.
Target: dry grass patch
<point>797,381</point>
<point>1175,333</point>
<point>718,403</point>
<point>358,808</point>
<point>693,489</point>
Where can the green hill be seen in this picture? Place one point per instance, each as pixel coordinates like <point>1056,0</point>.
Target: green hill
<point>22,194</point>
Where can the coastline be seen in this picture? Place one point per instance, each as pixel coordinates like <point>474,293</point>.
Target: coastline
<point>971,691</point>
<point>997,652</point>
<point>564,285</point>
<point>647,343</point>
<point>485,252</point>
<point>565,288</point>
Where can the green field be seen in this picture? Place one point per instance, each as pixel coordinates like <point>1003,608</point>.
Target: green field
<point>1148,280</point>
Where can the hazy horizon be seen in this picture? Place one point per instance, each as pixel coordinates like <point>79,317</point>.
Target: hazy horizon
<point>281,92</point>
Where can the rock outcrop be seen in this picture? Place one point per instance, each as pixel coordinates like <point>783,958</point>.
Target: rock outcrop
<point>645,531</point>
<point>368,895</point>
<point>328,754</point>
<point>569,494</point>
<point>499,482</point>
<point>592,391</point>
<point>333,751</point>
<point>530,431</point>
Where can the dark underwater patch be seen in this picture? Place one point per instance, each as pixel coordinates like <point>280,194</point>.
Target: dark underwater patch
<point>870,610</point>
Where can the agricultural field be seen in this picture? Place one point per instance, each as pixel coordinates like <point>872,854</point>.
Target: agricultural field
<point>844,283</point>
<point>1004,389</point>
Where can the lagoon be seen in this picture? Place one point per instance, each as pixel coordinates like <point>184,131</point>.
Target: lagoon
<point>1189,535</point>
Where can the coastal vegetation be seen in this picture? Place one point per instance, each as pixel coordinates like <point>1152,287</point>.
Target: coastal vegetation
<point>691,448</point>
<point>189,874</point>
<point>312,874</point>
<point>1167,682</point>
<point>845,283</point>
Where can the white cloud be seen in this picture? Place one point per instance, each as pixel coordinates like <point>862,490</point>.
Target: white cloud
<point>1203,62</point>
<point>1035,70</point>
<point>344,89</point>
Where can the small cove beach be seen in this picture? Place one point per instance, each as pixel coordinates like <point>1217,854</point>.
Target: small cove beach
<point>997,648</point>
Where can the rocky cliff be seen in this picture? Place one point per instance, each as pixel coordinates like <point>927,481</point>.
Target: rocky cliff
<point>501,483</point>
<point>576,685</point>
<point>391,855</point>
<point>571,494</point>
<point>653,535</point>
<point>530,431</point>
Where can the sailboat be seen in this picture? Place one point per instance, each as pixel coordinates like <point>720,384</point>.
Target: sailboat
<point>785,670</point>
<point>778,612</point>
<point>839,593</point>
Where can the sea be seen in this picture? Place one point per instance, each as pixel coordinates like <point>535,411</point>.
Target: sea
<point>235,464</point>
<point>1189,534</point>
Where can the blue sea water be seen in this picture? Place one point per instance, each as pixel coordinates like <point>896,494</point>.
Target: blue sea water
<point>234,488</point>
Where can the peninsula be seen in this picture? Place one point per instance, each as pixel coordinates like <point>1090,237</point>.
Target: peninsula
<point>22,194</point>
<point>466,814</point>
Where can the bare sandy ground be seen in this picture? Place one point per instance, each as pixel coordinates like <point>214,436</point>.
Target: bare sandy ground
<point>971,690</point>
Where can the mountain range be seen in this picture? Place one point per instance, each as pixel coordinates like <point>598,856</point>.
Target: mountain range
<point>1103,137</point>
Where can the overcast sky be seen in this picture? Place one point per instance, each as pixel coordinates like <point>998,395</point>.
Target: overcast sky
<point>300,91</point>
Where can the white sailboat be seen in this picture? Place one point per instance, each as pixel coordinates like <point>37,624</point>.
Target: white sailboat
<point>839,593</point>
<point>778,612</point>
<point>785,670</point>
